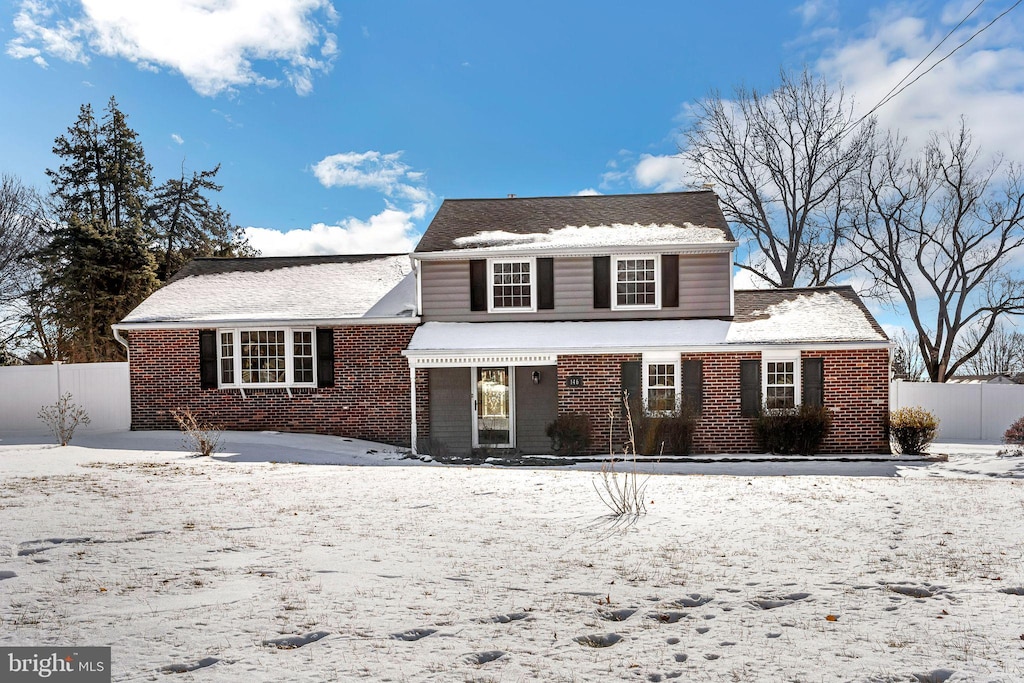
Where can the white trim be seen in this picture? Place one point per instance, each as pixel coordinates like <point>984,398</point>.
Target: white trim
<point>608,250</point>
<point>419,286</point>
<point>780,356</point>
<point>455,357</point>
<point>289,358</point>
<point>613,279</point>
<point>457,360</point>
<point>660,358</point>
<point>532,308</point>
<point>276,323</point>
<point>412,409</point>
<point>474,414</point>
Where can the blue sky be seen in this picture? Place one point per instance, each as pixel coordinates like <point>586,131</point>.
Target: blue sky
<point>340,127</point>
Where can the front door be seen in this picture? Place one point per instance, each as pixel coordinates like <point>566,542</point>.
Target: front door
<point>492,408</point>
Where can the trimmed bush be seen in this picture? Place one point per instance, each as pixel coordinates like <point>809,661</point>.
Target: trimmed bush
<point>663,433</point>
<point>912,429</point>
<point>799,430</point>
<point>569,434</point>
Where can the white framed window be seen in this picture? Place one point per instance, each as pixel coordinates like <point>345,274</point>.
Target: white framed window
<point>512,285</point>
<point>781,373</point>
<point>637,282</point>
<point>661,383</point>
<point>278,357</point>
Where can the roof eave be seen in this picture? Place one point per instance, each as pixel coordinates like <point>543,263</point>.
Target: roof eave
<point>603,250</point>
<point>282,322</point>
<point>702,348</point>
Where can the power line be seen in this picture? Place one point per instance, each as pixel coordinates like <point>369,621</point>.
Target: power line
<point>891,94</point>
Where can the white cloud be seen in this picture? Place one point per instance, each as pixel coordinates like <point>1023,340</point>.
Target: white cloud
<point>384,172</point>
<point>661,173</point>
<point>984,81</point>
<point>390,231</point>
<point>214,44</point>
<point>812,11</point>
<point>177,138</point>
<point>588,192</point>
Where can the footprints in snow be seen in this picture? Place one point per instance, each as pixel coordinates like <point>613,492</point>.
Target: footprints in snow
<point>293,642</point>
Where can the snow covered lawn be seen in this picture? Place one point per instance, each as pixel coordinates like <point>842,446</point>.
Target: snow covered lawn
<point>255,567</point>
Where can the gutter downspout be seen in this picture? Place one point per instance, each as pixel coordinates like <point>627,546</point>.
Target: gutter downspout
<point>121,340</point>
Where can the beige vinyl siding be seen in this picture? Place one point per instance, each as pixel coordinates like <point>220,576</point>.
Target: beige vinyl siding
<point>703,292</point>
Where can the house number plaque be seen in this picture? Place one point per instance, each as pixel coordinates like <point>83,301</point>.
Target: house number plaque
<point>574,381</point>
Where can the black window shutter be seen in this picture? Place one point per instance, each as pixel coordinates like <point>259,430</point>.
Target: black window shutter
<point>324,357</point>
<point>208,359</point>
<point>750,388</point>
<point>670,281</point>
<point>602,282</point>
<point>478,285</point>
<point>693,384</point>
<point>813,372</point>
<point>632,382</point>
<point>545,283</point>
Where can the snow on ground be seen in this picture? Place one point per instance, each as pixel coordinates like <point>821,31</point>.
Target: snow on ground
<point>256,567</point>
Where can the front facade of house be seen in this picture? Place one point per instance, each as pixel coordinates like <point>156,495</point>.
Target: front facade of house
<point>509,313</point>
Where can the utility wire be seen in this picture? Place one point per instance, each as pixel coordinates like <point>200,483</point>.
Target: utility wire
<point>891,95</point>
<point>924,59</point>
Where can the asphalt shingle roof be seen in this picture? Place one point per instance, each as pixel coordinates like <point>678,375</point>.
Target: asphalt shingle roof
<point>527,215</point>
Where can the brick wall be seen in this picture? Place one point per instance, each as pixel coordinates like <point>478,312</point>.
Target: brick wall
<point>856,390</point>
<point>600,397</point>
<point>370,399</point>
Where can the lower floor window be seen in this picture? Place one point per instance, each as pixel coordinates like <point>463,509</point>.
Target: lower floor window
<point>661,387</point>
<point>278,357</point>
<point>780,384</point>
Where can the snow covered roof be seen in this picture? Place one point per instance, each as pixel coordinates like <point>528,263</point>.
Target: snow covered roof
<point>566,222</point>
<point>763,317</point>
<point>307,288</point>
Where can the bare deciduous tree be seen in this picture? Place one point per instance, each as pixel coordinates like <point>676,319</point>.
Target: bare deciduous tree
<point>782,163</point>
<point>938,233</point>
<point>1001,354</point>
<point>21,214</point>
<point>907,363</point>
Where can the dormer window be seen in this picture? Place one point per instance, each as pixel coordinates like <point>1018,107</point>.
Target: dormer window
<point>511,285</point>
<point>637,282</point>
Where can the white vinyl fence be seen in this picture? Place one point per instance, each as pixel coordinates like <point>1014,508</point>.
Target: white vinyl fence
<point>966,412</point>
<point>100,388</point>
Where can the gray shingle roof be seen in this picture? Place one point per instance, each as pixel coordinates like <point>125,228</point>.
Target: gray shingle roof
<point>304,288</point>
<point>525,215</point>
<point>751,304</point>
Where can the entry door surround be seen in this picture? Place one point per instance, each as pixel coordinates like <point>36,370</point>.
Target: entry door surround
<point>493,405</point>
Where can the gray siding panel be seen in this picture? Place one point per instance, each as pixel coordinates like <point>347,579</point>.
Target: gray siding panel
<point>450,409</point>
<point>703,292</point>
<point>536,408</point>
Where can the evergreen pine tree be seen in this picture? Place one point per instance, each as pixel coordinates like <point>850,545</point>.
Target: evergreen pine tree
<point>97,264</point>
<point>184,224</point>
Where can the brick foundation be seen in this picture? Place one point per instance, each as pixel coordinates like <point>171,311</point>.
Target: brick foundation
<point>370,399</point>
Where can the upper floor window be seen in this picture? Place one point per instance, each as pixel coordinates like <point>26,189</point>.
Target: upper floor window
<point>636,280</point>
<point>267,357</point>
<point>512,285</point>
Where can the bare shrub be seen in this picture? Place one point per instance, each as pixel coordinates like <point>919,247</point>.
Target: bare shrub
<point>622,492</point>
<point>200,437</point>
<point>63,417</point>
<point>799,430</point>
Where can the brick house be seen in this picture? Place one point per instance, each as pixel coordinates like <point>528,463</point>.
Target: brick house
<point>508,313</point>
